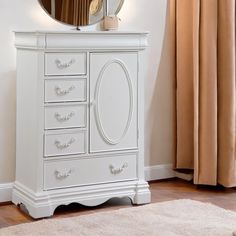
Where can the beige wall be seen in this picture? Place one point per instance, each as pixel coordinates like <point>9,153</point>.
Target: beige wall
<point>151,15</point>
<point>136,15</point>
<point>160,115</point>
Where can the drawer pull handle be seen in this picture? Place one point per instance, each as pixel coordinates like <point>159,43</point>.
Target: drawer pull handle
<point>61,146</point>
<point>117,171</point>
<point>63,92</point>
<point>65,65</point>
<point>61,118</point>
<point>62,175</point>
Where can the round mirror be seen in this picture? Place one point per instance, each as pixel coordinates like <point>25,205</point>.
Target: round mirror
<point>81,12</point>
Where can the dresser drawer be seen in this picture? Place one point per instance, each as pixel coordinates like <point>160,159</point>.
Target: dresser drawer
<point>65,64</point>
<point>65,116</point>
<point>66,90</point>
<point>68,173</point>
<point>68,143</point>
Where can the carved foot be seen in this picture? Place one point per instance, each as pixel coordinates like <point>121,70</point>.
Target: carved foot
<point>143,194</point>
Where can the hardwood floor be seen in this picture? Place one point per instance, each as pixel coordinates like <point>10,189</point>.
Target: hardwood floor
<point>161,191</point>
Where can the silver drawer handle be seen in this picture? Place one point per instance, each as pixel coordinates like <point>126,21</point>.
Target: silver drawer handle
<point>117,171</point>
<point>61,146</point>
<point>61,118</point>
<point>62,175</point>
<point>65,65</point>
<point>63,92</point>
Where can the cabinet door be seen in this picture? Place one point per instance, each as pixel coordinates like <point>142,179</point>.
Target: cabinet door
<point>113,101</point>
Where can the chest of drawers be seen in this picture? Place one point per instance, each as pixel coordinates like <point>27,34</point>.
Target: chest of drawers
<point>79,119</point>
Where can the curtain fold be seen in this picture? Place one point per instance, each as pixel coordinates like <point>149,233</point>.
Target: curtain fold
<point>75,12</point>
<point>206,89</point>
<point>227,90</point>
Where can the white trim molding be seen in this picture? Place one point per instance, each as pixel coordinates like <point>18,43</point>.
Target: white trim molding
<point>159,172</point>
<point>187,177</point>
<point>152,173</point>
<point>6,192</point>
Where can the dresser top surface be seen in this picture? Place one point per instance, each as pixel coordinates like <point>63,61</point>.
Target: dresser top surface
<point>117,32</point>
<point>72,39</point>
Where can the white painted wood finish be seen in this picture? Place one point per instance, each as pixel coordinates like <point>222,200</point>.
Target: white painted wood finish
<point>65,64</point>
<point>113,96</point>
<point>76,172</point>
<point>58,116</point>
<point>159,172</point>
<point>64,143</point>
<point>65,90</point>
<point>79,119</point>
<point>6,192</point>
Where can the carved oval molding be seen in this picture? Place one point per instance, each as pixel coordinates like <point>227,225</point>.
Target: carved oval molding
<point>101,130</point>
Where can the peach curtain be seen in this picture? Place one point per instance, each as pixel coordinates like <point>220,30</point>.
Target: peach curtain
<point>75,12</point>
<point>206,89</point>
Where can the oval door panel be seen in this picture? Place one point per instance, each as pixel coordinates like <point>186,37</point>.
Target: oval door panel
<point>114,102</point>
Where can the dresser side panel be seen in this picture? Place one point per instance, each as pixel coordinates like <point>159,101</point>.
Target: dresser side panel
<point>28,141</point>
<point>141,108</point>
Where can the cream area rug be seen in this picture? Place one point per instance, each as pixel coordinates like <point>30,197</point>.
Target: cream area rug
<point>179,217</point>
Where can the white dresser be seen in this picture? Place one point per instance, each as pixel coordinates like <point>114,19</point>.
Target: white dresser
<point>79,119</point>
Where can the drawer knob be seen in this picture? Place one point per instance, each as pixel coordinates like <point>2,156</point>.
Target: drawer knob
<point>116,171</point>
<point>62,175</point>
<point>65,65</point>
<point>63,92</point>
<point>61,118</point>
<point>62,146</point>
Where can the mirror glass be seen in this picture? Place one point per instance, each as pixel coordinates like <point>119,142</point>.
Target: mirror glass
<point>80,12</point>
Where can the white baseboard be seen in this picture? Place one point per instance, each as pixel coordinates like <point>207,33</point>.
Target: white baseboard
<point>159,172</point>
<point>187,177</point>
<point>6,192</point>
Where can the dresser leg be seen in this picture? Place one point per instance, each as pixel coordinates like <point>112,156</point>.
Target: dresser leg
<point>30,206</point>
<point>143,194</point>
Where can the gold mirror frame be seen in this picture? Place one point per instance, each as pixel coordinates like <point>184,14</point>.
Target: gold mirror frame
<point>97,16</point>
<point>98,6</point>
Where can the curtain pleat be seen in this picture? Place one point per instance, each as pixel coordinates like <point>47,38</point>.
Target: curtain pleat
<point>207,156</point>
<point>184,91</point>
<point>75,12</point>
<point>196,58</point>
<point>226,93</point>
<point>206,89</point>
